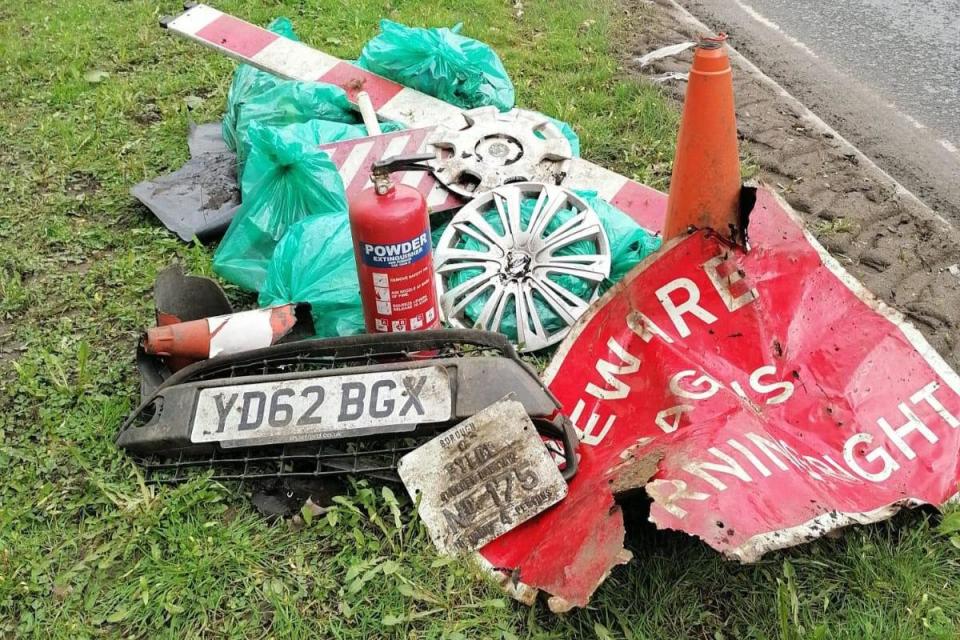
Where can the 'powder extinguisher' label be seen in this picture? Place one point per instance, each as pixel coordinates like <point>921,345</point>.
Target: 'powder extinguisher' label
<point>402,284</point>
<point>397,254</point>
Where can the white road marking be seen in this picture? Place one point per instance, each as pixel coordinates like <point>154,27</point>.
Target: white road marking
<point>762,19</point>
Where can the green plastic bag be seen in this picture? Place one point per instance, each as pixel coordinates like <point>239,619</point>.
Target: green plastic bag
<point>567,132</point>
<point>314,263</point>
<point>248,81</point>
<point>291,102</point>
<point>629,244</point>
<point>286,179</point>
<point>441,63</point>
<point>317,132</point>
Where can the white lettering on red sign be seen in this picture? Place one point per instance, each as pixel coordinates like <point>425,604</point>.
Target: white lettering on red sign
<point>865,457</point>
<point>685,303</point>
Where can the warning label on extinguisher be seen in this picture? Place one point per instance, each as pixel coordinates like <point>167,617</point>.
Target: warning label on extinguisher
<point>397,254</point>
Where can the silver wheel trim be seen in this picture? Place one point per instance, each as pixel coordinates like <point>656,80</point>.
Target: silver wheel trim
<point>488,148</point>
<point>501,269</point>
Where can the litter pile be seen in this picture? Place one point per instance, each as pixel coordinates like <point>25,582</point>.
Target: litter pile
<point>408,231</point>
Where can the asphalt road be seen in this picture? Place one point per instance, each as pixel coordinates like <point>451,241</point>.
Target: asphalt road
<point>884,73</point>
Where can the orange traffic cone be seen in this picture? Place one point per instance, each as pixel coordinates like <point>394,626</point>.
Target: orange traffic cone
<point>174,363</point>
<point>220,335</point>
<point>705,186</point>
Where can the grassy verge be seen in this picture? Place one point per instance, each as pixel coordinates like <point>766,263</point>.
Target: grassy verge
<point>94,98</point>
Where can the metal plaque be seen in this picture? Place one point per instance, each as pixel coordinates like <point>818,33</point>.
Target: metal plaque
<point>482,478</point>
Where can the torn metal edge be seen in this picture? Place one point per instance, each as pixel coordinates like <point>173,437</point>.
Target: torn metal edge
<point>519,591</point>
<point>526,594</point>
<point>557,604</point>
<point>754,548</point>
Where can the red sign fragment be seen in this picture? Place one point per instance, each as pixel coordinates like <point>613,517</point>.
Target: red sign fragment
<point>766,396</point>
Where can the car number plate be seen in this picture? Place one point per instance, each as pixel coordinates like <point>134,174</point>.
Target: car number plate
<point>322,408</point>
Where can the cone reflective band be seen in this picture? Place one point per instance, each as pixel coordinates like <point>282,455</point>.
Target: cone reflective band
<point>705,186</point>
<point>220,335</point>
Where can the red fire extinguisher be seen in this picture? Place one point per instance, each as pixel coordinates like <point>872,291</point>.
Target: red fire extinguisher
<point>391,243</point>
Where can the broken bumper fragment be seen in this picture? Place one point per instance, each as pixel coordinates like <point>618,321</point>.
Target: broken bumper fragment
<point>322,399</point>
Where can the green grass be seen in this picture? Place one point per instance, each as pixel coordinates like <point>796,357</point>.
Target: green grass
<point>86,550</point>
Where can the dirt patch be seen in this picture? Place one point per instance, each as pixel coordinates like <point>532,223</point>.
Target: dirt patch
<point>74,265</point>
<point>82,183</point>
<point>10,349</point>
<point>148,114</point>
<point>205,92</point>
<point>220,187</point>
<point>900,249</point>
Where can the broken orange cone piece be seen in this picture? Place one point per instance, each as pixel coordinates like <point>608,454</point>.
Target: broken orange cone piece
<point>705,186</point>
<point>209,337</point>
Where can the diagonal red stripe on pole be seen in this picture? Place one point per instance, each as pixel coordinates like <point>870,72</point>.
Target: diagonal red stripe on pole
<point>237,36</point>
<point>354,79</point>
<point>646,206</point>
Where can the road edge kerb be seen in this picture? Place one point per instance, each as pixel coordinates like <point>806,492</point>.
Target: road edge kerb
<point>683,15</point>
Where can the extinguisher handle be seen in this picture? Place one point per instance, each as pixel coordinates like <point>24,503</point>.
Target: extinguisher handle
<point>410,162</point>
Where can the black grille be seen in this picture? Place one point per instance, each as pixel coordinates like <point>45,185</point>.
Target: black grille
<point>304,363</point>
<point>374,459</point>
